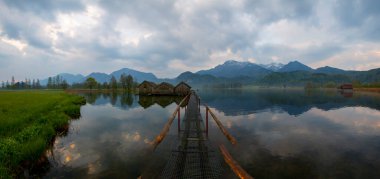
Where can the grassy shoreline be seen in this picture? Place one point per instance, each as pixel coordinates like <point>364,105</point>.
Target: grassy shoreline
<point>28,122</point>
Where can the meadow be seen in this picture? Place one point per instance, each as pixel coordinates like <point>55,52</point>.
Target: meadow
<point>29,120</point>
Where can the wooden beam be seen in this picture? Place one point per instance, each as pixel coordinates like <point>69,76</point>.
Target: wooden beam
<point>235,167</point>
<point>166,128</point>
<point>221,127</point>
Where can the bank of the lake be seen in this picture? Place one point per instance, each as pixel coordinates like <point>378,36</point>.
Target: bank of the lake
<point>375,90</point>
<point>29,120</point>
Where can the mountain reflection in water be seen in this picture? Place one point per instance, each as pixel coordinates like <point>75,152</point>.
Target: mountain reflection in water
<point>280,134</point>
<point>293,101</point>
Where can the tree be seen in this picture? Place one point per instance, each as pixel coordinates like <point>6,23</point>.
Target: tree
<point>113,83</point>
<point>356,83</point>
<point>2,84</point>
<point>13,81</point>
<point>27,82</point>
<point>129,83</point>
<point>105,85</point>
<point>123,81</point>
<point>309,85</point>
<point>330,84</point>
<point>38,85</point>
<point>91,83</point>
<point>57,82</point>
<point>65,85</point>
<point>34,84</point>
<point>50,83</point>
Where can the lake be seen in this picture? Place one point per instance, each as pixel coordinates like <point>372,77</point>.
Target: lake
<point>280,134</point>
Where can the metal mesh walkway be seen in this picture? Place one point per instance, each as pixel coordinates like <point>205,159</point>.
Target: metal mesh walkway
<point>193,156</point>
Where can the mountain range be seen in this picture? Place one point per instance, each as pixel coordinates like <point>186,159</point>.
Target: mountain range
<point>231,71</point>
<point>103,77</point>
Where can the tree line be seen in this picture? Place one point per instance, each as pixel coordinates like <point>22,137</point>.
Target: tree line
<point>26,84</point>
<point>125,82</point>
<point>57,82</point>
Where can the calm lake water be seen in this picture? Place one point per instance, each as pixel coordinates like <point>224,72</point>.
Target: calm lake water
<point>280,134</point>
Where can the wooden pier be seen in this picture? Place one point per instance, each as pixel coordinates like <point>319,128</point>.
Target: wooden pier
<point>194,156</point>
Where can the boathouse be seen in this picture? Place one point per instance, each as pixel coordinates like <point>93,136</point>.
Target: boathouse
<point>163,89</point>
<point>182,89</point>
<point>346,87</point>
<point>146,87</point>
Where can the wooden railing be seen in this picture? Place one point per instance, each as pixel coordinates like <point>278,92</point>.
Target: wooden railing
<point>220,125</point>
<point>166,128</point>
<point>235,167</point>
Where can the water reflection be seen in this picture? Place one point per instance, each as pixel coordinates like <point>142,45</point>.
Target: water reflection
<point>123,100</point>
<point>112,138</point>
<point>163,101</point>
<point>280,134</point>
<point>338,143</point>
<point>293,102</point>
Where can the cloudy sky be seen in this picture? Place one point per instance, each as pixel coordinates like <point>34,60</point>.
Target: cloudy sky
<point>43,37</point>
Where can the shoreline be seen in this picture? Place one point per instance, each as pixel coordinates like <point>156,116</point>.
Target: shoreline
<point>372,90</point>
<point>30,121</point>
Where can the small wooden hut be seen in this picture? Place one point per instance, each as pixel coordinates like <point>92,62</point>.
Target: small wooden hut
<point>146,88</point>
<point>346,87</point>
<point>182,89</point>
<point>163,89</point>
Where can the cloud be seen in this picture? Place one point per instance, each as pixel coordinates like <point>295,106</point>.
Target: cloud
<point>167,37</point>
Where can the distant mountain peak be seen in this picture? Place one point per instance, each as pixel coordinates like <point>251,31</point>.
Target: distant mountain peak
<point>234,62</point>
<point>137,75</point>
<point>230,61</point>
<point>272,66</point>
<point>329,70</point>
<point>295,66</point>
<point>233,68</point>
<point>97,73</point>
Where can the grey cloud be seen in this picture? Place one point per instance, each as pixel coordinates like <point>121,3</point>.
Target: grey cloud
<point>271,11</point>
<point>353,13</point>
<point>361,15</point>
<point>45,9</point>
<point>308,55</point>
<point>159,15</point>
<point>187,31</point>
<point>320,52</point>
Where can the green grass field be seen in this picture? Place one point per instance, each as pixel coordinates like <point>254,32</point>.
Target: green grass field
<point>28,122</point>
